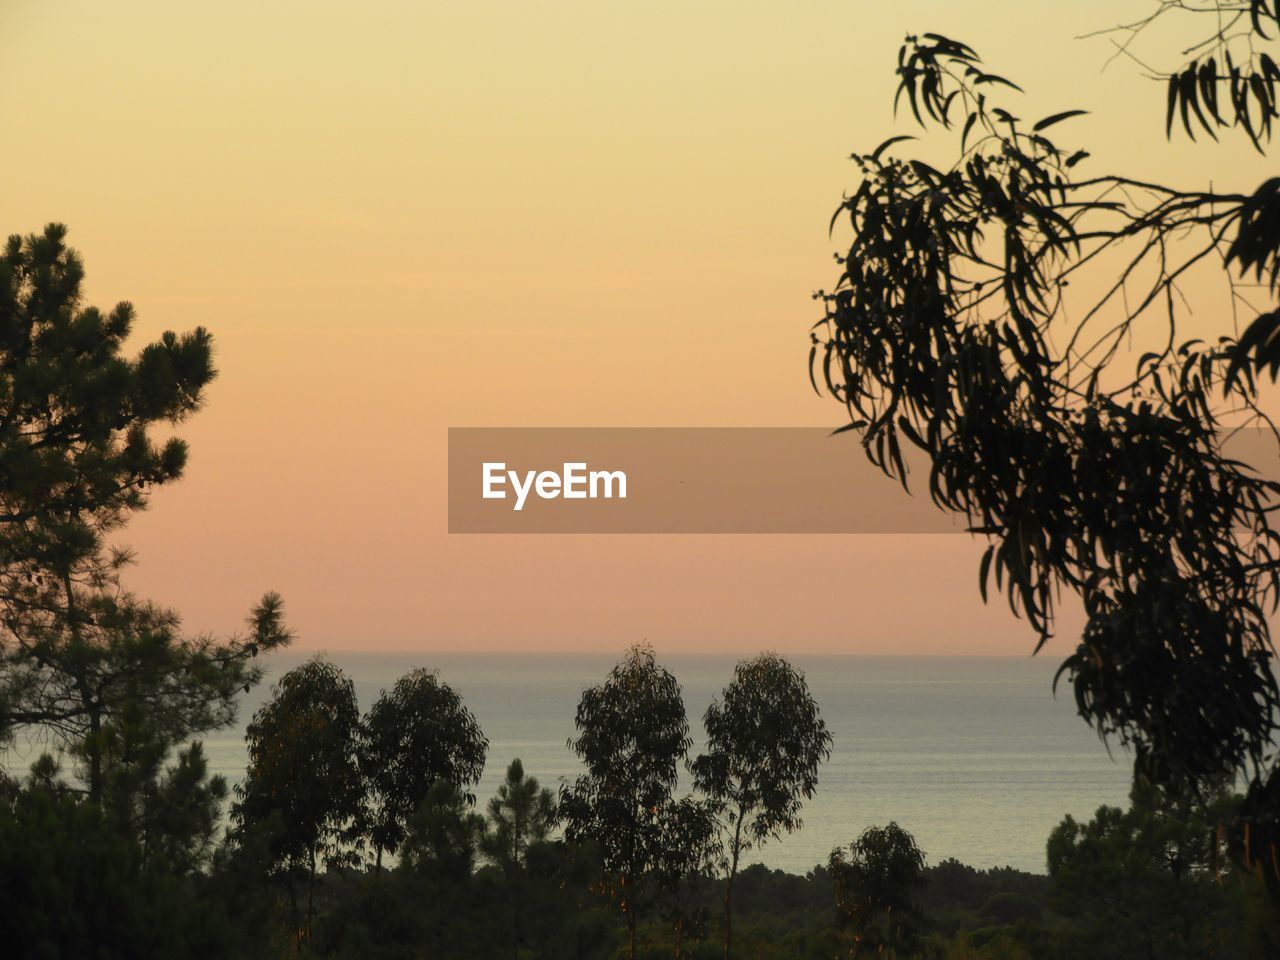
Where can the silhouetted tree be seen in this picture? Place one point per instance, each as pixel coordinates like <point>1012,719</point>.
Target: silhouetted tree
<point>875,882</point>
<point>521,815</point>
<point>438,857</point>
<point>414,735</point>
<point>765,740</point>
<point>303,779</point>
<point>690,850</point>
<point>982,314</point>
<point>77,653</point>
<point>632,735</point>
<point>1145,881</point>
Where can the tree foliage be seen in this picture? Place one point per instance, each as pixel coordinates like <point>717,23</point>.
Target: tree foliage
<point>85,664</point>
<point>1145,881</point>
<point>303,783</point>
<point>982,315</point>
<point>521,814</point>
<point>765,741</point>
<point>521,818</point>
<point>417,733</point>
<point>632,735</point>
<point>875,884</point>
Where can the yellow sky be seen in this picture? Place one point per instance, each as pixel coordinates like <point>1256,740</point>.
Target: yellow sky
<point>402,216</point>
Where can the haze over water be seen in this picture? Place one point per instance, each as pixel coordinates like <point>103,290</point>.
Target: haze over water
<point>973,755</point>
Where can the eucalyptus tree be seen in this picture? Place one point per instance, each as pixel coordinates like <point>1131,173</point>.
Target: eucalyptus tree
<point>691,848</point>
<point>982,314</point>
<point>632,735</point>
<point>765,741</point>
<point>875,882</point>
<point>303,787</point>
<point>414,735</point>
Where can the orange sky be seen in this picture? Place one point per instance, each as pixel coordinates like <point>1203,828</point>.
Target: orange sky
<point>402,216</point>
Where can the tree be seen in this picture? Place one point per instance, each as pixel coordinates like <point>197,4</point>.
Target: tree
<point>303,781</point>
<point>962,324</point>
<point>413,736</point>
<point>75,455</point>
<point>632,734</point>
<point>765,740</point>
<point>521,815</point>
<point>76,459</point>
<point>875,882</point>
<point>85,666</point>
<point>690,848</point>
<point>1147,881</point>
<point>441,845</point>
<point>132,689</point>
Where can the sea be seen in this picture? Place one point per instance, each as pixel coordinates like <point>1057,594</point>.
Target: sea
<point>975,756</point>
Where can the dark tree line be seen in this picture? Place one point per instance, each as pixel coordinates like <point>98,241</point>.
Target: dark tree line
<point>325,786</point>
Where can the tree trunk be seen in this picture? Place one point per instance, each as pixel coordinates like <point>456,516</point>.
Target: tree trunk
<point>516,936</point>
<point>629,909</point>
<point>311,886</point>
<point>728,888</point>
<point>95,756</point>
<point>292,887</point>
<point>87,698</point>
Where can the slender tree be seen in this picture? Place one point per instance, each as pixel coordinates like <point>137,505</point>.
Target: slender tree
<point>303,782</point>
<point>417,733</point>
<point>632,735</point>
<point>765,741</point>
<point>521,815</point>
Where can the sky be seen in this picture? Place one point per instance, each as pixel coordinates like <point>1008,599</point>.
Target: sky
<point>397,217</point>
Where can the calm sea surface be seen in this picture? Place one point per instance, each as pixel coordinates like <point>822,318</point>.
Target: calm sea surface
<point>973,755</point>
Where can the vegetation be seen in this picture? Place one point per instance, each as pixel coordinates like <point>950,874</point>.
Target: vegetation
<point>632,736</point>
<point>952,328</point>
<point>875,885</point>
<point>984,313</point>
<point>414,735</point>
<point>765,740</point>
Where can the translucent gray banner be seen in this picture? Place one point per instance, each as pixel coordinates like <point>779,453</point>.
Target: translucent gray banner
<point>678,480</point>
<point>702,480</point>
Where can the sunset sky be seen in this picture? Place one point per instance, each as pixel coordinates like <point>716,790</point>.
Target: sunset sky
<point>398,217</point>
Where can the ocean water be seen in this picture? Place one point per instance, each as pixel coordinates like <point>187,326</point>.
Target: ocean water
<point>973,755</point>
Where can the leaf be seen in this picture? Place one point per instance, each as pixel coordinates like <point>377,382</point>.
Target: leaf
<point>853,425</point>
<point>1057,118</point>
<point>875,154</point>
